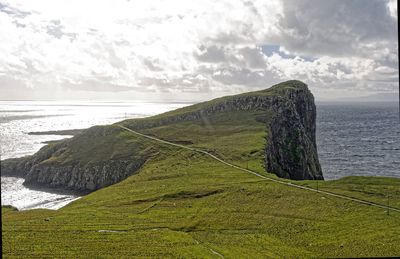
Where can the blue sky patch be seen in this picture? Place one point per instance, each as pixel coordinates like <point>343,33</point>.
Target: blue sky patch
<point>270,49</point>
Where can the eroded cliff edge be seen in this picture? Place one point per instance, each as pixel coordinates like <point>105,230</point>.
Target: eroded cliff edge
<point>98,157</point>
<point>291,150</point>
<point>104,155</point>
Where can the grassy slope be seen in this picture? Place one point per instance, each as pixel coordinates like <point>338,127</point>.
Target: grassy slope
<point>98,144</point>
<point>182,204</point>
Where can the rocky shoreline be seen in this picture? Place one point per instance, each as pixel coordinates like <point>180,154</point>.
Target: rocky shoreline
<point>290,151</point>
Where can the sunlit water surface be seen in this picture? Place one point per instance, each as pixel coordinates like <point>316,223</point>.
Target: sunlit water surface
<point>17,118</point>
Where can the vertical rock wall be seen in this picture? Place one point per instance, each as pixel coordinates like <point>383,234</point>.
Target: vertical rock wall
<point>291,150</point>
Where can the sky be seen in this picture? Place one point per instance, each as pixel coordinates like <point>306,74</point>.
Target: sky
<point>195,50</point>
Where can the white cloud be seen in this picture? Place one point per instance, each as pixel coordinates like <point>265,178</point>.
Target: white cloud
<point>202,46</point>
<point>392,5</point>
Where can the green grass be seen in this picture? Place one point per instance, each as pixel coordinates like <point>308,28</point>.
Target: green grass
<point>98,144</point>
<point>276,90</point>
<point>180,198</point>
<point>182,204</point>
<point>375,189</point>
<point>236,137</point>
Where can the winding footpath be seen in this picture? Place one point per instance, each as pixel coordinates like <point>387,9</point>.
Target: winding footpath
<point>263,176</point>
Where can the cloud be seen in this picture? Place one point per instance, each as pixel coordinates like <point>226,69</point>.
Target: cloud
<point>180,46</point>
<point>336,27</point>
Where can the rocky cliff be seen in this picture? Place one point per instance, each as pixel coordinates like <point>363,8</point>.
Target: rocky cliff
<point>92,160</point>
<point>101,156</point>
<point>291,150</point>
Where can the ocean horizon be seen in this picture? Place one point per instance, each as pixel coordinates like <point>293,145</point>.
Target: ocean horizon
<point>353,139</point>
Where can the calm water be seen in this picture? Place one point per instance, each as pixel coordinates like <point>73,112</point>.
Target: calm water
<point>359,139</point>
<point>352,139</point>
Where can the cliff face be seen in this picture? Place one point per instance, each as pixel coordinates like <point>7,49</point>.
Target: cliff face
<point>77,164</point>
<point>81,177</point>
<point>101,156</point>
<point>291,150</point>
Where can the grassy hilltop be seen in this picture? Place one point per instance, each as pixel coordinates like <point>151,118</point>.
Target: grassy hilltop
<point>184,204</point>
<point>274,128</point>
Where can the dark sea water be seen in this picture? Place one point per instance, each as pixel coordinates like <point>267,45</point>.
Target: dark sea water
<point>358,139</point>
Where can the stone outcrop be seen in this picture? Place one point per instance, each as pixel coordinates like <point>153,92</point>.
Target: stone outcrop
<point>82,177</point>
<point>40,170</point>
<point>290,150</point>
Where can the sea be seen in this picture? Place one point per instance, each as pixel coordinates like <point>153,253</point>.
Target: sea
<point>353,139</point>
<point>360,139</point>
<point>19,118</point>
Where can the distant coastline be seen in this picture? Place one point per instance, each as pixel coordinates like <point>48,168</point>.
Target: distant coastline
<point>71,132</point>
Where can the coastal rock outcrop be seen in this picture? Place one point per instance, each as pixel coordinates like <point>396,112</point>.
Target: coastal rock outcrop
<point>102,155</point>
<point>291,150</point>
<point>81,177</point>
<point>74,163</point>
